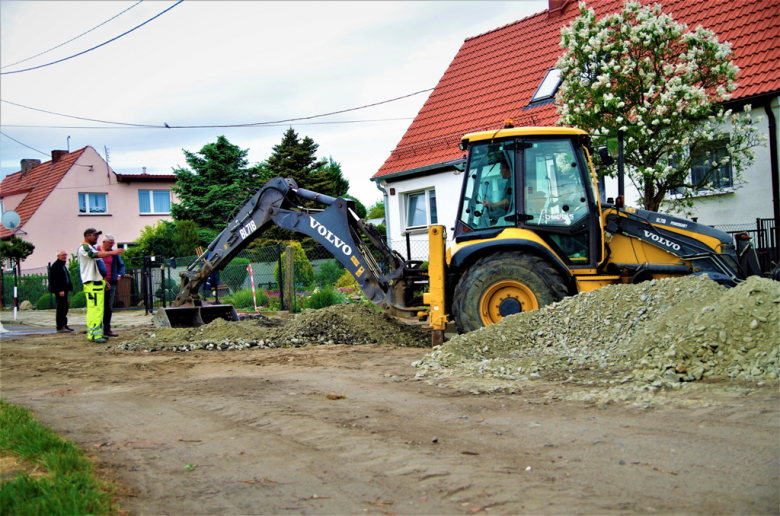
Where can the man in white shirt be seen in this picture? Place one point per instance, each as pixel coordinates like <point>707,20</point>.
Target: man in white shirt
<point>94,286</point>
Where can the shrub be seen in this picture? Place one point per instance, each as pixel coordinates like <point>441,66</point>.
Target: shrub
<point>243,298</point>
<point>170,287</point>
<point>329,273</point>
<point>79,300</point>
<point>347,280</point>
<point>303,272</point>
<point>234,274</point>
<point>274,299</point>
<point>323,298</point>
<point>262,299</point>
<point>45,302</point>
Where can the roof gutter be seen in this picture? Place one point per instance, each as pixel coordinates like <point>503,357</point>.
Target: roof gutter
<point>770,115</point>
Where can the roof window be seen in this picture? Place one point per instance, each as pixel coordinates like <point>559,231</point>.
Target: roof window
<point>549,86</point>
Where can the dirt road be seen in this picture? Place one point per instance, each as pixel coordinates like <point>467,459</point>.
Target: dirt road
<point>261,436</point>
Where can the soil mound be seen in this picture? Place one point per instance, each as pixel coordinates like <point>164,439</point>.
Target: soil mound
<point>339,324</point>
<point>656,334</point>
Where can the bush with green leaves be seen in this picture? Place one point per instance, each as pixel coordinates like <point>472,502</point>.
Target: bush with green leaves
<point>79,300</point>
<point>329,273</point>
<point>170,288</point>
<point>46,302</point>
<point>347,280</point>
<point>324,298</point>
<point>235,273</point>
<point>303,272</point>
<point>243,299</point>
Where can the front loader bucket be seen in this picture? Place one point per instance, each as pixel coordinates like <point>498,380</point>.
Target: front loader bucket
<point>177,317</point>
<point>189,317</point>
<point>209,313</point>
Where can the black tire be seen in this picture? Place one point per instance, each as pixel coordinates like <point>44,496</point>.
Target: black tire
<point>504,283</point>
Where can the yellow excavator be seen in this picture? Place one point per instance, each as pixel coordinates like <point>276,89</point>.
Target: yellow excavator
<point>531,228</point>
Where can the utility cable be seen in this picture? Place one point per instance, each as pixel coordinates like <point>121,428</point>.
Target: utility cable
<point>254,124</point>
<point>72,39</point>
<point>266,125</point>
<point>24,145</point>
<point>95,47</point>
<point>36,150</point>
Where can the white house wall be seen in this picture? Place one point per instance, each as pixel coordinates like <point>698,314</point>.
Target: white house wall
<point>752,200</point>
<point>447,186</point>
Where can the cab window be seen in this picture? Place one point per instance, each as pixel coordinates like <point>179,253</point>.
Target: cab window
<point>554,193</point>
<point>489,198</point>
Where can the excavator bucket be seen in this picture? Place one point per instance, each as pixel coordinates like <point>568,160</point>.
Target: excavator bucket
<point>188,316</point>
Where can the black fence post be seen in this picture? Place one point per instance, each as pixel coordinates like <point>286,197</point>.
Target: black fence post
<point>52,299</point>
<point>408,247</point>
<point>279,264</point>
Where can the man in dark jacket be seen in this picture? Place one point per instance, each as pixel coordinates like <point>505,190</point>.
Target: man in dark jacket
<point>60,286</point>
<point>115,270</point>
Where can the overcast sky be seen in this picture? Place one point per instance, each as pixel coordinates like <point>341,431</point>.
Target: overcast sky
<point>218,63</point>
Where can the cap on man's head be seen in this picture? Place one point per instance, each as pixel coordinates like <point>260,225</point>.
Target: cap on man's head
<point>92,231</point>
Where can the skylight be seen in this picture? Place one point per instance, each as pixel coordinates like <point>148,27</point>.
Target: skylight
<point>549,86</point>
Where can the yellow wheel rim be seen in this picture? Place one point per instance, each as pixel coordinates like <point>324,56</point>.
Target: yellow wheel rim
<point>504,298</point>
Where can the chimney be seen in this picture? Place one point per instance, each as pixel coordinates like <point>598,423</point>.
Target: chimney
<point>555,8</point>
<point>56,155</point>
<point>144,168</point>
<point>29,164</point>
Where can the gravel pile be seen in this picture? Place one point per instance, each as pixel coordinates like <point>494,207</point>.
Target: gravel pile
<point>658,334</point>
<point>340,324</point>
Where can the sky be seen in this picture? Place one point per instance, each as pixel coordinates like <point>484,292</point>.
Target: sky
<point>221,63</point>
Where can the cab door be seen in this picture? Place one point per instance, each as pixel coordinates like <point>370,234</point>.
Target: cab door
<point>557,201</point>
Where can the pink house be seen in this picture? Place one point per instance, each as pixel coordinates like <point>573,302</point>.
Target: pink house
<point>59,199</point>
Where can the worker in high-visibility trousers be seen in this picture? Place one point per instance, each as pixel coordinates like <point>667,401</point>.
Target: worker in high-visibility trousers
<point>94,285</point>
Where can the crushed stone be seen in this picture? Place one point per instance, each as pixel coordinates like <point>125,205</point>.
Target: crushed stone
<point>339,324</point>
<point>628,340</point>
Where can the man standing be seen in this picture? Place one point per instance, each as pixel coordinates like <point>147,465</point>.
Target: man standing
<point>60,286</point>
<point>115,269</point>
<point>93,282</point>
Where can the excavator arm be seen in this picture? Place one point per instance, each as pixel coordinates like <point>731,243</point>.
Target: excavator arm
<point>337,228</point>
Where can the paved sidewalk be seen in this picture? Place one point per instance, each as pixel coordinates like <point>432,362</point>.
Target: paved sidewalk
<point>38,322</point>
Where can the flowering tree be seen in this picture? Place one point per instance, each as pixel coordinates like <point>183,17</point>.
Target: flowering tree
<point>640,72</point>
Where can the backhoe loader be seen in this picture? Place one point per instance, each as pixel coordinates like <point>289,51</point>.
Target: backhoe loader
<point>531,229</point>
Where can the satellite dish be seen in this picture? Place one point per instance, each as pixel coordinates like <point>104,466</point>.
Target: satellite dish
<point>10,220</point>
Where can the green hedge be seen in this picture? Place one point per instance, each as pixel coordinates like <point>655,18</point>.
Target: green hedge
<point>79,300</point>
<point>46,302</point>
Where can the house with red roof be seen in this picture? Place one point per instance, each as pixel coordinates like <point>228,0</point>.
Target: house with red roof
<point>58,199</point>
<point>508,73</point>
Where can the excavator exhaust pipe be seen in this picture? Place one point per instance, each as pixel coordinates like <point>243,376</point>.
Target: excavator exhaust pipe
<point>192,316</point>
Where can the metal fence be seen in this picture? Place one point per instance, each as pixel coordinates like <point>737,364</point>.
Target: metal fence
<point>153,282</point>
<point>763,233</point>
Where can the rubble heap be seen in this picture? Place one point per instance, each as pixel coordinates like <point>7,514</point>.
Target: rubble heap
<point>661,333</point>
<point>339,324</point>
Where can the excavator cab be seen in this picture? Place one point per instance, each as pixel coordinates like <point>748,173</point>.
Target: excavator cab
<point>541,183</point>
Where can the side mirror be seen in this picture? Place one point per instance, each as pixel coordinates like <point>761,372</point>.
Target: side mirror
<point>606,157</point>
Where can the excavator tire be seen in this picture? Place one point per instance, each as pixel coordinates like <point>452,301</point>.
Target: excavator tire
<point>502,284</point>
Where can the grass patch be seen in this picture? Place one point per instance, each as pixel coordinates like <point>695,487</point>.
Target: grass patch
<point>42,473</point>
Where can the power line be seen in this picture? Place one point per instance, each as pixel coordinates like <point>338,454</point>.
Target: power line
<point>72,39</point>
<point>24,145</point>
<point>253,124</point>
<point>95,47</point>
<point>265,125</point>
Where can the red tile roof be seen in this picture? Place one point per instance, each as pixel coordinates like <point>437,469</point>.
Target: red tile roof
<point>494,75</point>
<point>39,182</point>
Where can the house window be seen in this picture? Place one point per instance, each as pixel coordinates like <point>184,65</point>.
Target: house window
<point>548,87</point>
<point>154,201</point>
<point>92,203</point>
<point>704,176</point>
<point>707,175</point>
<point>421,209</point>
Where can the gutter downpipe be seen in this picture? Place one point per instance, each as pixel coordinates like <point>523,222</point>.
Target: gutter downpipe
<point>775,175</point>
<point>387,214</point>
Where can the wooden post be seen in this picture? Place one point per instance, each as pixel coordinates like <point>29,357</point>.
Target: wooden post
<point>289,279</point>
